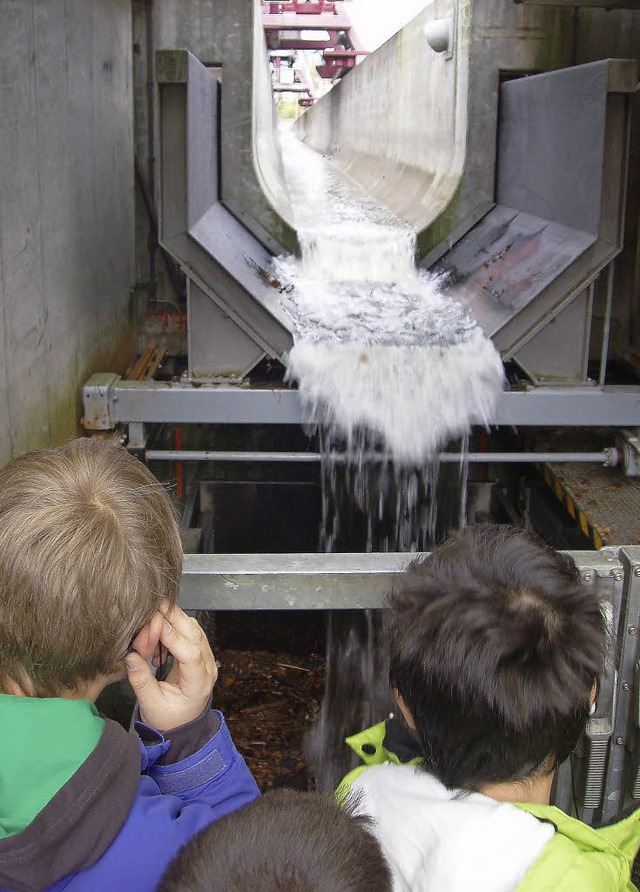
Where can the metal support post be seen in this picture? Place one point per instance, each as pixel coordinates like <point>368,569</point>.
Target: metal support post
<point>604,350</point>
<point>623,774</point>
<point>137,435</point>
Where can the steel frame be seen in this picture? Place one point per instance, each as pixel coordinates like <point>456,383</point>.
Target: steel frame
<point>318,581</point>
<point>109,400</point>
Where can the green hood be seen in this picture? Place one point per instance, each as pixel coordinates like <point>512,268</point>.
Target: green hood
<point>578,858</point>
<point>43,743</point>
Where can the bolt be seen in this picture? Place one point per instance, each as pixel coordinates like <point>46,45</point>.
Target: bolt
<point>619,740</point>
<point>617,577</point>
<point>626,686</point>
<point>636,571</point>
<point>632,630</point>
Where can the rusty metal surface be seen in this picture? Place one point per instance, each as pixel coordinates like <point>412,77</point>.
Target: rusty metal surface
<point>96,396</point>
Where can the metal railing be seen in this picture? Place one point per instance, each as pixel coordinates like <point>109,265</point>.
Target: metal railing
<point>601,780</point>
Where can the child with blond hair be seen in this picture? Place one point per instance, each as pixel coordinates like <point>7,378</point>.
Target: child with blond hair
<point>90,567</point>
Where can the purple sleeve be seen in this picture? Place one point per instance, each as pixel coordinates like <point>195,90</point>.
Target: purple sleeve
<point>174,801</point>
<point>216,769</point>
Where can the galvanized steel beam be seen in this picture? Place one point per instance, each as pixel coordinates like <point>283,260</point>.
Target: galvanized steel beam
<point>109,400</point>
<point>317,581</point>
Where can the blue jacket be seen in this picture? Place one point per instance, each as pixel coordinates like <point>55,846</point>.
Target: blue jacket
<point>128,809</point>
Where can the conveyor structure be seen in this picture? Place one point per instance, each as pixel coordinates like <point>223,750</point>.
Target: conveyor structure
<point>516,191</point>
<point>511,168</point>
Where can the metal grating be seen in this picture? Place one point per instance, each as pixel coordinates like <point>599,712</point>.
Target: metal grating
<point>604,503</point>
<point>598,751</point>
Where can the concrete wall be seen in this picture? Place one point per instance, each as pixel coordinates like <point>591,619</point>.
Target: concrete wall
<point>66,210</point>
<point>398,122</point>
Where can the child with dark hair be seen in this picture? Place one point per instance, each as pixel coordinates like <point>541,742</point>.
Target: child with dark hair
<point>495,650</point>
<point>284,842</point>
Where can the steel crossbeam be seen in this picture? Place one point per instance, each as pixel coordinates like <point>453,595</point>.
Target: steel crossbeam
<point>109,400</point>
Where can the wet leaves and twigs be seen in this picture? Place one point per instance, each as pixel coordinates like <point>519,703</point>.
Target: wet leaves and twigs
<point>270,701</point>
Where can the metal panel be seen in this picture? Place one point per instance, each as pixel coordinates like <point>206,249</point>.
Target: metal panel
<point>559,353</point>
<point>227,263</point>
<point>551,133</point>
<point>561,175</point>
<point>219,348</point>
<point>506,261</point>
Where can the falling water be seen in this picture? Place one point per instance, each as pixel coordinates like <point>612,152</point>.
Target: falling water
<point>379,347</point>
<point>391,369</point>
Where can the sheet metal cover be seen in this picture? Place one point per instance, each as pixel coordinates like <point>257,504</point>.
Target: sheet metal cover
<point>506,261</point>
<point>551,144</point>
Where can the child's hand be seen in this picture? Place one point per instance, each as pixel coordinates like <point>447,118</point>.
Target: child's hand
<point>185,693</point>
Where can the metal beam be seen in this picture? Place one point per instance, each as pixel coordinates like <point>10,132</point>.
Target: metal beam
<point>315,581</point>
<point>296,22</point>
<point>109,400</point>
<point>288,581</point>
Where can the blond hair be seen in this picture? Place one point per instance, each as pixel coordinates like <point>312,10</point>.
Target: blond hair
<point>89,545</point>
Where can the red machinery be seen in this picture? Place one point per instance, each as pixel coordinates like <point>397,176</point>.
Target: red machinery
<point>317,25</point>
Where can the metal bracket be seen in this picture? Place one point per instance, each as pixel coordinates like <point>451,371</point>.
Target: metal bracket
<point>628,444</point>
<point>97,401</point>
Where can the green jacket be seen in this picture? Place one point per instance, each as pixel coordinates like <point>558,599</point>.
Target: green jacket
<point>578,858</point>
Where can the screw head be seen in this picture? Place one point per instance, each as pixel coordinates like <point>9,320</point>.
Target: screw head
<point>586,576</point>
<point>632,630</point>
<point>626,686</point>
<point>619,740</point>
<point>636,571</point>
<point>617,577</point>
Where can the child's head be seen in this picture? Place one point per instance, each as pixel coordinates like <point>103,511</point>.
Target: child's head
<point>495,648</point>
<point>283,842</point>
<point>89,545</point>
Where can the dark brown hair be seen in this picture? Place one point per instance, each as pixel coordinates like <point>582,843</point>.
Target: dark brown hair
<point>89,544</point>
<point>283,842</point>
<point>495,646</point>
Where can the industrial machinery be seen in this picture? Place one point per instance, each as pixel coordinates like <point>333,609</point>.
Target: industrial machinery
<point>526,227</point>
<point>510,163</point>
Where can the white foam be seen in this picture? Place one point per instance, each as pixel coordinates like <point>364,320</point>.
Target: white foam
<point>410,312</point>
<point>415,398</point>
<point>378,346</point>
<point>358,252</point>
